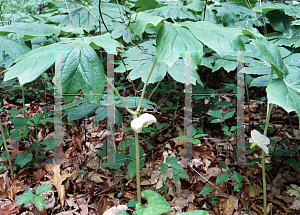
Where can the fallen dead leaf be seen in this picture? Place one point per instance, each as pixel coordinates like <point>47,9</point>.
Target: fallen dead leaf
<point>228,205</point>
<point>115,210</point>
<point>14,189</point>
<point>57,182</point>
<point>184,198</point>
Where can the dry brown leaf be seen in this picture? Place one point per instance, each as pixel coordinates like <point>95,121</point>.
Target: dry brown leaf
<point>229,205</point>
<point>38,175</point>
<point>115,210</point>
<point>10,209</point>
<point>180,132</point>
<point>57,182</point>
<point>184,198</point>
<point>14,189</point>
<point>83,206</point>
<point>4,186</point>
<point>96,177</point>
<point>253,190</point>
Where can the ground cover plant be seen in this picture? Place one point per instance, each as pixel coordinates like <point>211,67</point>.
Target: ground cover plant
<point>62,59</point>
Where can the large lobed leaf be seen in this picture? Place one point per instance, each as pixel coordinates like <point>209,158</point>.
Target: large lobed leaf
<point>30,30</point>
<point>81,67</point>
<point>142,21</point>
<point>272,54</point>
<point>222,40</point>
<point>173,40</point>
<point>13,48</point>
<point>139,64</point>
<point>286,92</point>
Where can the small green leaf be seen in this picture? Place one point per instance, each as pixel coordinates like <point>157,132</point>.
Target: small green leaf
<point>22,160</point>
<point>123,212</point>
<point>216,114</point>
<point>229,115</point>
<point>223,165</point>
<point>217,121</point>
<point>20,122</point>
<point>156,204</point>
<point>50,144</point>
<point>163,167</point>
<point>238,177</point>
<point>169,104</point>
<point>199,136</point>
<point>183,175</point>
<point>175,178</point>
<point>4,156</point>
<point>132,167</point>
<point>42,188</point>
<point>81,172</point>
<point>197,212</point>
<point>123,145</point>
<point>163,125</point>
<point>171,160</point>
<point>237,186</point>
<point>131,203</point>
<point>206,189</point>
<point>221,178</point>
<point>38,201</point>
<point>211,196</point>
<point>81,111</point>
<point>180,138</point>
<point>26,197</point>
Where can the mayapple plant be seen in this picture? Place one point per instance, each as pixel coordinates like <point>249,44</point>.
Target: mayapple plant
<point>137,125</point>
<point>262,141</point>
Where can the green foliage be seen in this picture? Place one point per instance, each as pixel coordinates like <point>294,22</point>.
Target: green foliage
<point>156,205</point>
<point>37,200</point>
<point>145,29</point>
<point>22,160</point>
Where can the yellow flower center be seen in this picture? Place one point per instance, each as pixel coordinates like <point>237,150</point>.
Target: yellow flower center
<point>253,145</point>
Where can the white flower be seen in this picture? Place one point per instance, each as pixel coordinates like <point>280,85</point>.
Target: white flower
<point>142,121</point>
<point>260,140</point>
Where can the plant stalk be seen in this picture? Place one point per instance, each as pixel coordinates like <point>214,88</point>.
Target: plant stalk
<point>145,85</point>
<point>136,136</point>
<point>269,110</point>
<point>137,159</point>
<point>7,152</point>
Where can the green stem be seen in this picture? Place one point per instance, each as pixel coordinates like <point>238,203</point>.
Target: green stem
<point>7,152</point>
<point>136,136</point>
<point>145,85</point>
<point>23,98</point>
<point>154,90</point>
<point>121,184</point>
<point>137,159</point>
<point>118,94</point>
<point>248,99</point>
<point>269,110</point>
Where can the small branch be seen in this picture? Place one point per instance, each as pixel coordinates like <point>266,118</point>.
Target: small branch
<point>78,13</point>
<point>100,15</point>
<point>127,29</point>
<point>128,77</point>
<point>7,152</point>
<point>125,106</point>
<point>69,12</point>
<point>145,85</point>
<point>154,90</point>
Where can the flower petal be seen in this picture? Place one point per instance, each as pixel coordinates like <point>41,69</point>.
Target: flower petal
<point>265,148</point>
<point>145,119</point>
<point>261,140</point>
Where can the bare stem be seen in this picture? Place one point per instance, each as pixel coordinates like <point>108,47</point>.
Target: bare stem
<point>7,152</point>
